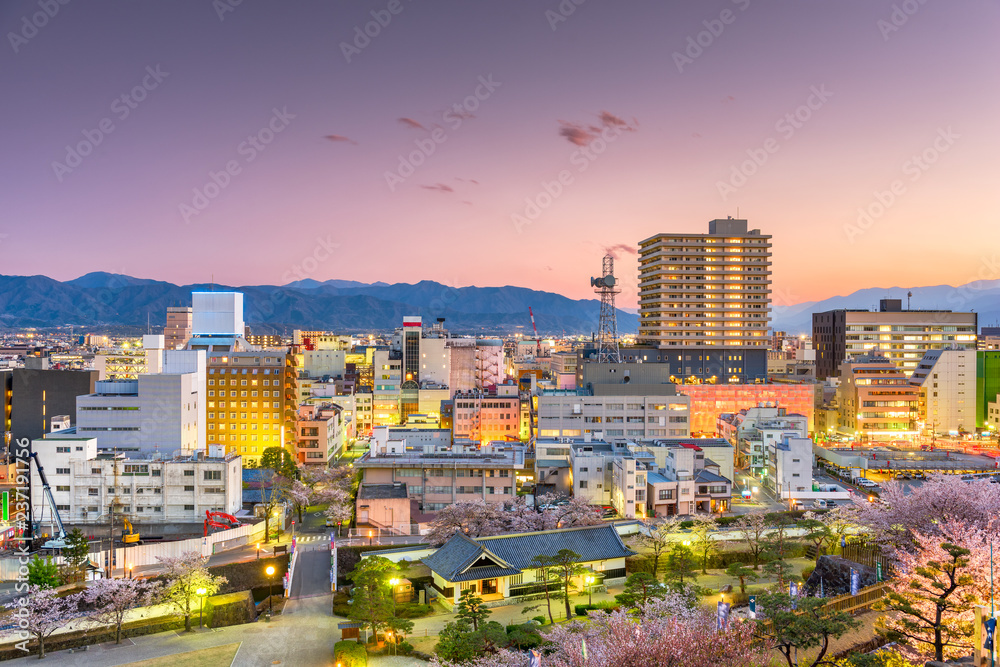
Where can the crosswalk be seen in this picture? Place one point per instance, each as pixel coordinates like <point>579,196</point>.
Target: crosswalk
<point>306,539</point>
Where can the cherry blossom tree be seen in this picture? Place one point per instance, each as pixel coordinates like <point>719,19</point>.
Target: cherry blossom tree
<point>112,599</point>
<point>576,511</point>
<point>40,613</point>
<point>753,528</point>
<point>655,536</point>
<point>185,575</point>
<point>658,637</point>
<point>898,516</point>
<point>936,586</point>
<point>478,518</point>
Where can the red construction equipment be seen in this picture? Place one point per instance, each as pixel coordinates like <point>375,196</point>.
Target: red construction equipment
<point>538,341</point>
<point>210,520</point>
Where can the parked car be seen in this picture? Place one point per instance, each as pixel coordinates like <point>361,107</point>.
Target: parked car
<point>919,475</point>
<point>902,475</point>
<point>865,482</point>
<point>824,504</point>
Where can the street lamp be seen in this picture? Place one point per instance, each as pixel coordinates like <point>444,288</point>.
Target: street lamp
<point>590,590</point>
<point>388,636</point>
<point>258,551</point>
<point>270,590</point>
<point>201,608</point>
<point>370,534</point>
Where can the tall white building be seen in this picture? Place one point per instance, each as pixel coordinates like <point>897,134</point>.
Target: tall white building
<point>161,412</point>
<point>706,291</point>
<point>947,381</point>
<point>154,489</point>
<point>789,466</point>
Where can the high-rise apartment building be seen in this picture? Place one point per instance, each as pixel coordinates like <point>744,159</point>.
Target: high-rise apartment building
<point>178,329</point>
<point>706,290</point>
<point>902,336</point>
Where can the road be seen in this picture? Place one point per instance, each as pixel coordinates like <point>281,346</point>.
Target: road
<point>304,634</point>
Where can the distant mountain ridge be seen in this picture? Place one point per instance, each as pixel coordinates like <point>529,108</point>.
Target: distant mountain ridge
<point>105,299</point>
<point>981,296</point>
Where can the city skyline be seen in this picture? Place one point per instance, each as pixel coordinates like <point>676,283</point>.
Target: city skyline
<point>615,125</point>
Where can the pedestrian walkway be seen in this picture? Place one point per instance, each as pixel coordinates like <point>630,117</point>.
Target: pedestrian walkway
<point>311,539</point>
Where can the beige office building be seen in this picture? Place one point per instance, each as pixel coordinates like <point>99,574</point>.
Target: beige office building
<point>706,290</point>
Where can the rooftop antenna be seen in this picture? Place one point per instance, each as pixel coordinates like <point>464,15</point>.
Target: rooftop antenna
<point>908,295</point>
<point>607,347</point>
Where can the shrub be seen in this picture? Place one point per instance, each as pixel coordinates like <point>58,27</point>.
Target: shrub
<point>581,609</point>
<point>726,521</point>
<point>404,648</point>
<point>806,572</point>
<point>340,603</point>
<point>350,654</point>
<point>635,564</point>
<point>686,524</point>
<point>410,610</point>
<point>738,599</point>
<point>541,619</point>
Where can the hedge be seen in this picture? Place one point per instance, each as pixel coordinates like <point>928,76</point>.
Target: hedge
<point>607,606</point>
<point>232,609</point>
<point>350,654</point>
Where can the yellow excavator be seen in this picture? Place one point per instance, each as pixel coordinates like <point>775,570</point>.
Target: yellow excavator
<point>129,536</point>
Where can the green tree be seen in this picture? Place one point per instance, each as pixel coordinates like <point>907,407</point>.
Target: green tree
<point>782,572</point>
<point>817,532</point>
<point>546,574</point>
<point>566,564</point>
<point>280,461</point>
<point>702,543</point>
<point>371,598</point>
<point>877,659</point>
<point>777,540</point>
<point>640,588</point>
<point>743,573</point>
<point>43,573</point>
<point>400,627</point>
<point>455,642</point>
<point>680,564</point>
<point>524,637</point>
<point>927,609</point>
<point>471,608</point>
<point>77,549</point>
<point>809,625</point>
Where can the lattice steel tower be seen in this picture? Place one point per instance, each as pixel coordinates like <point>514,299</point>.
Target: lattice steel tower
<point>607,335</point>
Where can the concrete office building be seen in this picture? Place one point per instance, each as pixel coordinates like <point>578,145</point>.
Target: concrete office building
<point>947,382</point>
<point>789,466</point>
<point>487,416</point>
<point>160,490</point>
<point>753,431</point>
<point>876,400</point>
<point>706,291</point>
<point>321,433</point>
<point>178,329</point>
<point>576,413</point>
<point>902,336</point>
<point>987,384</point>
<point>160,413</point>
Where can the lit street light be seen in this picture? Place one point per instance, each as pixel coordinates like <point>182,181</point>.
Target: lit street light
<point>270,590</point>
<point>590,590</point>
<point>258,551</point>
<point>201,608</point>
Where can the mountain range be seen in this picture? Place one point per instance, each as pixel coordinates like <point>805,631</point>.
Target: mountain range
<point>113,300</point>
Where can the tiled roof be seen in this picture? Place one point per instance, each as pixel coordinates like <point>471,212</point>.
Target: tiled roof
<point>515,553</point>
<point>706,476</point>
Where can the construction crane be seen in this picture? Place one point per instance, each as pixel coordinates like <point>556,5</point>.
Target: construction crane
<point>538,341</point>
<point>60,541</point>
<point>129,536</point>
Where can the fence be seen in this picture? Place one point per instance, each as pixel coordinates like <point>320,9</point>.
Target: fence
<point>148,554</point>
<point>865,598</point>
<point>867,554</point>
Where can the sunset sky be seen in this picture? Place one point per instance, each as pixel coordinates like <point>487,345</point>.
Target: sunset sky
<point>885,86</point>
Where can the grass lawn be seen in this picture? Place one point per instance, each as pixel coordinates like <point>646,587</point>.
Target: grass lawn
<point>209,657</point>
<point>716,579</point>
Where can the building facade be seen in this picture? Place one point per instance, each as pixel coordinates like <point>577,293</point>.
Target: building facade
<point>576,413</point>
<point>947,383</point>
<point>706,291</point>
<point>902,336</point>
<point>876,400</point>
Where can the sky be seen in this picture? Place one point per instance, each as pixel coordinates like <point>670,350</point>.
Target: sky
<point>497,142</point>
